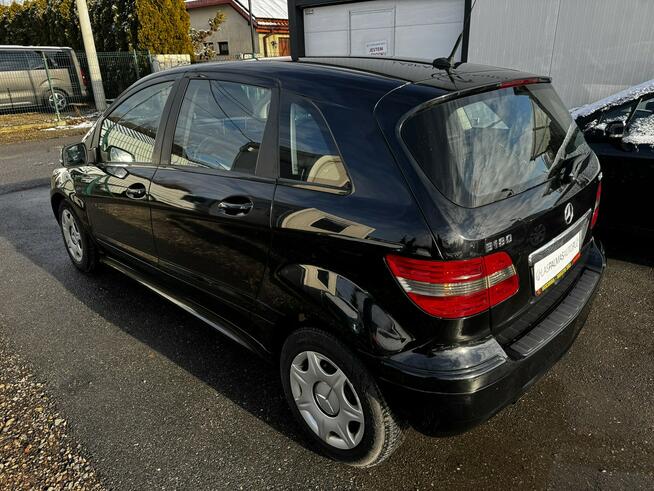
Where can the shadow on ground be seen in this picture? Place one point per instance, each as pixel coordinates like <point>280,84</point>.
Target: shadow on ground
<point>523,444</point>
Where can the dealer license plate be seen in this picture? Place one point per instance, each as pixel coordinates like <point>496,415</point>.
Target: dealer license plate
<point>553,267</point>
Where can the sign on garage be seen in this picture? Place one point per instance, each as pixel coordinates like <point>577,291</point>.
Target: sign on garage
<point>415,29</point>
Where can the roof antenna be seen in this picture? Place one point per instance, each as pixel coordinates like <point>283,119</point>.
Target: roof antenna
<point>448,63</point>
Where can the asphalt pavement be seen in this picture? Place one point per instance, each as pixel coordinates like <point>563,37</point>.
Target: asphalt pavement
<point>27,165</point>
<point>159,400</point>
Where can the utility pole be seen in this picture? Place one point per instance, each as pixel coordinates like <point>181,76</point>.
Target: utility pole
<point>91,55</point>
<point>251,28</point>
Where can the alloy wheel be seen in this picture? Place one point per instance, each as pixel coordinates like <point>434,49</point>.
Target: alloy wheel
<point>327,400</point>
<point>57,101</point>
<point>72,235</point>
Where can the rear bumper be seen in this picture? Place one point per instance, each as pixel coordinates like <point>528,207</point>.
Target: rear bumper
<point>451,390</point>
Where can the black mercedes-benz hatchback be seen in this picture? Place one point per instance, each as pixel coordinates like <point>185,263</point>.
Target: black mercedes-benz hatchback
<point>411,245</point>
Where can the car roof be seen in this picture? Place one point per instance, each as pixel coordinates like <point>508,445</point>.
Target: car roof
<point>464,76</point>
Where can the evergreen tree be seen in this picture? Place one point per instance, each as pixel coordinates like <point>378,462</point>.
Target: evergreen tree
<point>161,26</point>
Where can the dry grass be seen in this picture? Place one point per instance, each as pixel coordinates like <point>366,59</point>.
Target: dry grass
<point>30,126</point>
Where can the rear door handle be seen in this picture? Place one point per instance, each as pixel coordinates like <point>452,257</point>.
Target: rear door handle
<point>235,206</point>
<point>136,191</point>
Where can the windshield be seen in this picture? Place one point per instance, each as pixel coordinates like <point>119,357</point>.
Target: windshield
<point>485,147</point>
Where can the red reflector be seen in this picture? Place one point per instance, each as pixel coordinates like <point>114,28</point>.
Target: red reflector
<point>455,289</point>
<point>452,307</point>
<point>522,81</point>
<point>593,221</point>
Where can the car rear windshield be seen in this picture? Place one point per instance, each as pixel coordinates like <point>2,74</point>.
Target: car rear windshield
<point>485,147</point>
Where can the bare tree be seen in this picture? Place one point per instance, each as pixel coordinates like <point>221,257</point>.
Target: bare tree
<point>204,50</point>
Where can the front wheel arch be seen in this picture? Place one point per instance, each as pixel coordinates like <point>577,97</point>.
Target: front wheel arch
<point>55,202</point>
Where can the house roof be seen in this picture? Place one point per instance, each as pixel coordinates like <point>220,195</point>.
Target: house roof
<point>261,9</point>
<point>268,9</point>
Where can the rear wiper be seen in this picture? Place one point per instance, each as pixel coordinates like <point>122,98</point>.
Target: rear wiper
<point>575,172</point>
<point>562,158</point>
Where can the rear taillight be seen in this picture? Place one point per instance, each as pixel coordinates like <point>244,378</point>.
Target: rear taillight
<point>455,289</point>
<point>85,80</point>
<point>593,221</point>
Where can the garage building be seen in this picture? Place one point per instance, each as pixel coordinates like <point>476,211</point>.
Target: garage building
<point>591,48</point>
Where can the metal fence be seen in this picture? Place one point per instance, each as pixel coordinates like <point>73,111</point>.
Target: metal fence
<point>55,81</point>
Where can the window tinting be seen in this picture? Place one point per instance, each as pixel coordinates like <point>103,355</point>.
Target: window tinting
<point>129,132</point>
<point>221,126</point>
<point>307,150</point>
<point>12,60</point>
<point>485,147</point>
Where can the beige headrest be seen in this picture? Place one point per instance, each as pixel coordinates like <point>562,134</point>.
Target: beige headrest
<point>328,169</point>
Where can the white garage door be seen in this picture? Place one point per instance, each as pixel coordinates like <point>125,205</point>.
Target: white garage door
<point>419,29</point>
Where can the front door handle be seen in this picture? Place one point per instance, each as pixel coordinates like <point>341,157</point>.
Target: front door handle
<point>235,206</point>
<point>136,191</point>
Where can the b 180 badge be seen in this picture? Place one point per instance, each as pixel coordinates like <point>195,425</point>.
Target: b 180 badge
<point>498,243</point>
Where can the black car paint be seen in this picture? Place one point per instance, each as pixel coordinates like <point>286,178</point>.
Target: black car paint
<point>263,275</point>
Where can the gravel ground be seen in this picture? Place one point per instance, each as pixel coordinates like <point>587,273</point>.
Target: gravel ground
<point>35,450</point>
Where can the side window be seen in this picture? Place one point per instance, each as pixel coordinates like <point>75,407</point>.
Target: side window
<point>11,61</point>
<point>308,152</point>
<point>35,61</point>
<point>129,132</point>
<point>617,113</point>
<point>221,126</point>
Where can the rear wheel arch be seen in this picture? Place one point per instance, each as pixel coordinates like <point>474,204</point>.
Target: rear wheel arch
<point>337,305</point>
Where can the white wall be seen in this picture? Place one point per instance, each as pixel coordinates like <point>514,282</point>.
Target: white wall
<point>591,48</point>
<point>235,30</point>
<point>417,29</point>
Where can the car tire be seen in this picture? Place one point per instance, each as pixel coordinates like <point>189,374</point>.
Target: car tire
<point>60,96</point>
<point>357,427</point>
<point>80,247</point>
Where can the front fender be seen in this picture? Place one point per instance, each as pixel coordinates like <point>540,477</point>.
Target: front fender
<point>329,300</point>
<point>62,188</point>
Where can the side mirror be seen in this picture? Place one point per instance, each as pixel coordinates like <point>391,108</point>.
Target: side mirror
<point>615,129</point>
<point>119,155</point>
<point>73,155</point>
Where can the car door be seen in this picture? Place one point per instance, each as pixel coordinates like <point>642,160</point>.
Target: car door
<point>212,194</point>
<point>127,145</point>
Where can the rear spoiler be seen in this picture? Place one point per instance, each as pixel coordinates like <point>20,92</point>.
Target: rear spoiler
<point>485,88</point>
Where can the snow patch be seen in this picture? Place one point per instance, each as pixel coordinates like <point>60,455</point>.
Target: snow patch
<point>614,100</point>
<point>641,132</point>
<point>83,124</point>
